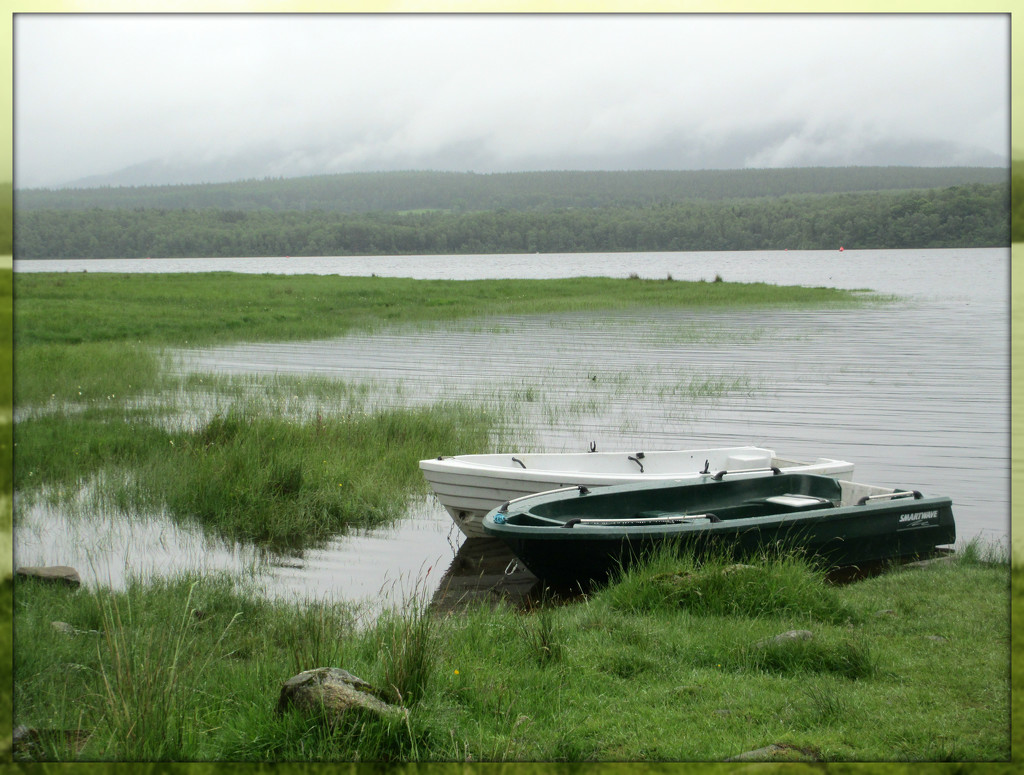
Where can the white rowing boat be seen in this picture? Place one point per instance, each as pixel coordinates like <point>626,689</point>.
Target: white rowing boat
<point>469,486</point>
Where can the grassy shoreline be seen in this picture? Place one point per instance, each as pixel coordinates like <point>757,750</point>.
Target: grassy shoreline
<point>907,666</point>
<point>90,336</point>
<point>220,307</point>
<point>245,476</point>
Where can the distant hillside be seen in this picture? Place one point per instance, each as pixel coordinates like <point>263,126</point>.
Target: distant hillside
<point>973,215</point>
<point>1017,212</point>
<point>6,219</point>
<point>524,191</point>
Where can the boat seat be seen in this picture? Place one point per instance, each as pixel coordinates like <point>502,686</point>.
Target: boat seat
<point>791,502</point>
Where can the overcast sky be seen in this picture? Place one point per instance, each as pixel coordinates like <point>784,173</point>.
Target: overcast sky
<point>194,97</point>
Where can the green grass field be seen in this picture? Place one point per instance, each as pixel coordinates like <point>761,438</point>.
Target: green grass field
<point>908,666</point>
<point>207,308</point>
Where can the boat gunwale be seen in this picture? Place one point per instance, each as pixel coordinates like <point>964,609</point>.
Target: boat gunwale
<point>790,520</point>
<point>480,474</point>
<point>555,530</point>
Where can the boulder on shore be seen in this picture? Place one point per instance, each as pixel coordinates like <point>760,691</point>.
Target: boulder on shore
<point>777,752</point>
<point>791,636</point>
<point>332,691</point>
<point>60,574</point>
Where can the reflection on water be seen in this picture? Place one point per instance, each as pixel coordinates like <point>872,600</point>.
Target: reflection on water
<point>362,566</point>
<point>365,565</point>
<point>423,553</point>
<point>916,394</point>
<point>485,572</point>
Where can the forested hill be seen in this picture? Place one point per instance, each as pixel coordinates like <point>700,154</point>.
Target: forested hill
<point>958,216</point>
<point>530,191</point>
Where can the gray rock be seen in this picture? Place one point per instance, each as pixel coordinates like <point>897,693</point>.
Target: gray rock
<point>68,629</point>
<point>332,691</point>
<point>786,637</point>
<point>60,574</point>
<point>737,568</point>
<point>776,753</point>
<point>63,627</point>
<point>31,744</point>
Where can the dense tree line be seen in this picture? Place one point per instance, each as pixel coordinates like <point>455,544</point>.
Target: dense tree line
<point>533,191</point>
<point>6,219</point>
<point>959,216</point>
<point>1017,220</point>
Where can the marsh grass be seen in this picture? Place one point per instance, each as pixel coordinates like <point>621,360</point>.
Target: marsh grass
<point>201,309</point>
<point>101,334</point>
<point>189,668</point>
<point>404,647</point>
<point>148,674</point>
<point>541,632</point>
<point>679,384</point>
<point>715,386</point>
<point>981,552</point>
<point>318,637</point>
<point>287,394</point>
<point>825,703</point>
<point>82,372</point>
<point>246,475</point>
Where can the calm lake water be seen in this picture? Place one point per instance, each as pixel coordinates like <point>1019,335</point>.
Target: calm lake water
<point>915,393</point>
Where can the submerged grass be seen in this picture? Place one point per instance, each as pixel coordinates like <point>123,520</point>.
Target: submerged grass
<point>93,335</point>
<point>593,679</point>
<point>249,476</point>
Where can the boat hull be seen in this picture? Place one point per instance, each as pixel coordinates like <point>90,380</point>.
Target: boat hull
<point>469,486</point>
<point>882,528</point>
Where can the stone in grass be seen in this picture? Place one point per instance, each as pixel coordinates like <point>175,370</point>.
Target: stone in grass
<point>70,630</point>
<point>332,691</point>
<point>59,574</point>
<point>64,628</point>
<point>31,744</point>
<point>786,637</point>
<point>777,753</point>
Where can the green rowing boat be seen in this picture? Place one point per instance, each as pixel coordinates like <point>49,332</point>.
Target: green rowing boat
<point>581,534</point>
